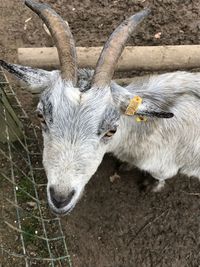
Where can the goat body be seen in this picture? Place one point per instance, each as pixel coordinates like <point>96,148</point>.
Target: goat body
<point>84,118</point>
<point>163,147</point>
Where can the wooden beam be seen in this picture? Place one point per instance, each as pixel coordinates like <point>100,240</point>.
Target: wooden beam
<point>150,58</point>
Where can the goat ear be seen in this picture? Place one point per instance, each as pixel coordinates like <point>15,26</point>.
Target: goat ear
<point>36,80</point>
<point>158,105</point>
<point>149,108</point>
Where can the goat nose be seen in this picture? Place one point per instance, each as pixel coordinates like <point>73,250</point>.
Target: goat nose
<point>59,200</point>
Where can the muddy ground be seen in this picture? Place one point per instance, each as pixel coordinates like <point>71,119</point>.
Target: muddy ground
<point>116,224</point>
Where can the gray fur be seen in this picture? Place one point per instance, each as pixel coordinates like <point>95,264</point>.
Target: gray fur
<point>163,147</point>
<point>77,120</point>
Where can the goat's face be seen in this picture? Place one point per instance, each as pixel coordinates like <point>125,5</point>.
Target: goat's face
<point>77,128</point>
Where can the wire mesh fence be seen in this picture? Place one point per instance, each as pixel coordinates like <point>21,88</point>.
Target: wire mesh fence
<point>29,234</point>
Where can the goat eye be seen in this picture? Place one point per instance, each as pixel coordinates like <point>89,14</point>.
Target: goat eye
<point>110,133</point>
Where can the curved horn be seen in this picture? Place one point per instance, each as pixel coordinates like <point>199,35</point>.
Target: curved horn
<point>113,48</point>
<point>62,37</point>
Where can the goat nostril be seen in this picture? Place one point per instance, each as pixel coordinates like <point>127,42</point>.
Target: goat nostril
<point>59,200</point>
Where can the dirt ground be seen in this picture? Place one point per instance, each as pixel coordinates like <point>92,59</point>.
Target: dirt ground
<point>116,224</point>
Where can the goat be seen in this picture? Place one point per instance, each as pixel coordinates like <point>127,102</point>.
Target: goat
<point>84,114</point>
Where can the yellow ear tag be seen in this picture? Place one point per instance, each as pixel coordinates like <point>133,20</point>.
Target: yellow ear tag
<point>133,105</point>
<point>141,118</point>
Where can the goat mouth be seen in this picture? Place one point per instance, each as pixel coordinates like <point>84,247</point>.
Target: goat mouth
<point>61,212</point>
<point>64,210</point>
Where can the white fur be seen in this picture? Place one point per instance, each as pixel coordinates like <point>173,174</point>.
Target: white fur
<point>77,120</point>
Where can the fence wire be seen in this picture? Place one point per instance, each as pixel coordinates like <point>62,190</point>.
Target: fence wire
<point>29,234</point>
